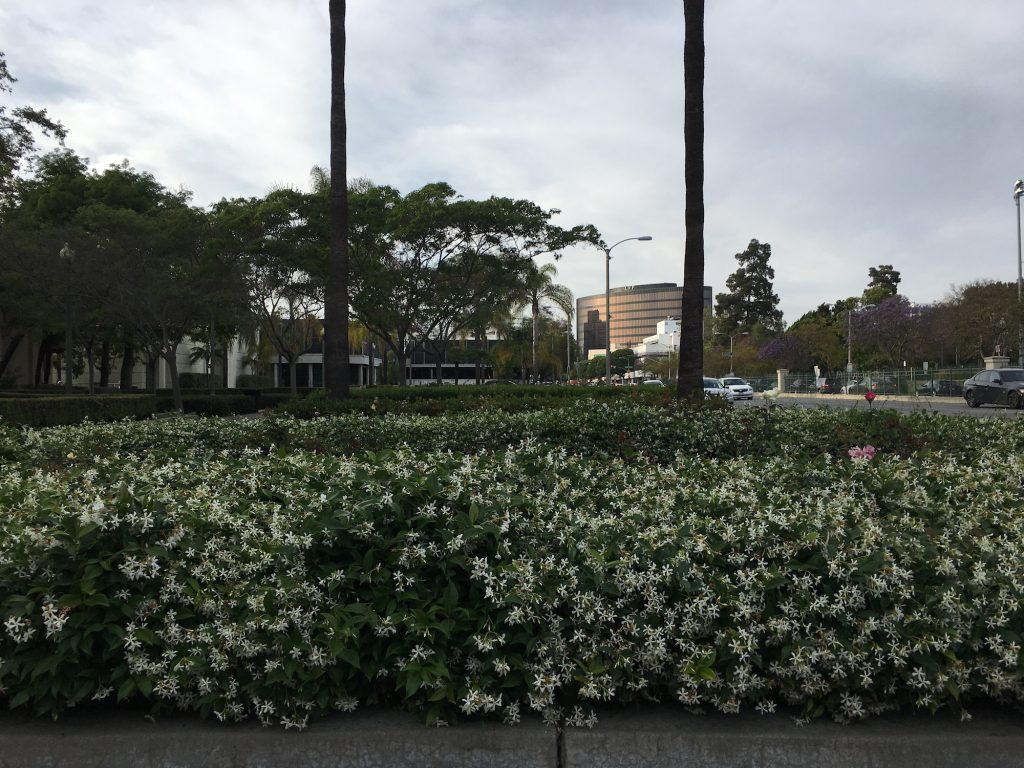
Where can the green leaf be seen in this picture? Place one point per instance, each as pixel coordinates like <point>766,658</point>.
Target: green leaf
<point>127,689</point>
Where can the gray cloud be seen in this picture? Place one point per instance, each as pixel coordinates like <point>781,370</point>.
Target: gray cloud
<point>846,135</point>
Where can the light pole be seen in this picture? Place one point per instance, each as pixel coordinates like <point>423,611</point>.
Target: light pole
<point>672,356</point>
<point>732,338</point>
<point>1018,190</point>
<point>849,339</point>
<point>67,256</point>
<point>608,306</point>
<point>568,344</point>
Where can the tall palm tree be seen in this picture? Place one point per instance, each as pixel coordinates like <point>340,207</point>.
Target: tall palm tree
<point>691,348</point>
<point>336,367</point>
<point>539,286</point>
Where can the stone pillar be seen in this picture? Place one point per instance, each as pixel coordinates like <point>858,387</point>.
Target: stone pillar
<point>780,377</point>
<point>996,361</point>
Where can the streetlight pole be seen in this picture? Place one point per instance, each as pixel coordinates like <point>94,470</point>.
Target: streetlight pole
<point>67,256</point>
<point>608,307</point>
<point>568,344</point>
<point>1018,190</point>
<point>849,341</point>
<point>732,338</point>
<point>849,338</point>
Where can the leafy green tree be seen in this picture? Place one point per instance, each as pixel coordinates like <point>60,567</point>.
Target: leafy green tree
<point>750,300</point>
<point>884,282</point>
<point>889,330</point>
<point>41,293</point>
<point>981,319</point>
<point>539,286</point>
<point>690,383</point>
<point>623,361</point>
<point>821,340</point>
<point>270,242</point>
<point>425,263</point>
<point>17,136</point>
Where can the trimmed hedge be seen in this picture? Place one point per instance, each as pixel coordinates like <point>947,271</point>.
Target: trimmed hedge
<point>251,381</point>
<point>435,401</point>
<point>154,564</point>
<point>53,411</point>
<point>206,405</point>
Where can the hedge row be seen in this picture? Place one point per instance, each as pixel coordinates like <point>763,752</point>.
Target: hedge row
<point>623,430</point>
<point>281,585</point>
<point>52,411</point>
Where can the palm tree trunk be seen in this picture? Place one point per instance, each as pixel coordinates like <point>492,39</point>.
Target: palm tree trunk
<point>691,348</point>
<point>533,364</point>
<point>336,299</point>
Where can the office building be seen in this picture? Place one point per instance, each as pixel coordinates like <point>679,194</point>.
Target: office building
<point>635,311</point>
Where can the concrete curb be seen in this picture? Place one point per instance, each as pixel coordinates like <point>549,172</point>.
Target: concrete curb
<point>363,740</point>
<point>652,737</point>
<point>659,737</point>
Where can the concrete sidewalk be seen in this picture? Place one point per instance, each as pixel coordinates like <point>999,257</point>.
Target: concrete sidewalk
<point>651,737</point>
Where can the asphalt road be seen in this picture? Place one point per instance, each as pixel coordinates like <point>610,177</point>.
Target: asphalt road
<point>950,406</point>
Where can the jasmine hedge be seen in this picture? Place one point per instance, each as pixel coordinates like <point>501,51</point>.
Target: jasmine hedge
<point>267,570</point>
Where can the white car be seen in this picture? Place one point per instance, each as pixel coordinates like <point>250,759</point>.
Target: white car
<point>652,383</point>
<point>740,389</point>
<point>715,388</point>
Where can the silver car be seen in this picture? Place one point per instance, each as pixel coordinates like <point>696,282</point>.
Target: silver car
<point>715,388</point>
<point>740,389</point>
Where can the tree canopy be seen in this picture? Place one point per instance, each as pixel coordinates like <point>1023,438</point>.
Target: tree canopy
<point>18,128</point>
<point>751,300</point>
<point>884,282</point>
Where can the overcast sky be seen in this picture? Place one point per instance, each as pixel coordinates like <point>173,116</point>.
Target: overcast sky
<point>846,135</point>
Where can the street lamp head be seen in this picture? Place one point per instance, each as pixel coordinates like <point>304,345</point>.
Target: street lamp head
<point>1018,189</point>
<point>648,237</point>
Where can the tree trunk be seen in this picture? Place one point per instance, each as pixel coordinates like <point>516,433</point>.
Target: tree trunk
<point>151,361</point>
<point>127,364</point>
<point>12,347</point>
<point>691,349</point>
<point>210,357</point>
<point>90,363</point>
<point>383,360</point>
<point>105,363</point>
<point>478,367</point>
<point>293,368</point>
<point>401,359</point>
<point>44,360</point>
<point>171,357</point>
<point>336,298</point>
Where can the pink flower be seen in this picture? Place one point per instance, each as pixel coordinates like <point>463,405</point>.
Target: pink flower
<point>867,452</point>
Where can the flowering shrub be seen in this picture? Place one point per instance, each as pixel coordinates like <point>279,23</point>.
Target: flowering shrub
<point>256,569</point>
<point>867,452</point>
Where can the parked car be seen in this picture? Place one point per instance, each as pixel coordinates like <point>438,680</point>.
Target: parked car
<point>942,387</point>
<point>828,386</point>
<point>880,386</point>
<point>801,384</point>
<point>715,388</point>
<point>741,390</point>
<point>652,383</point>
<point>1003,386</point>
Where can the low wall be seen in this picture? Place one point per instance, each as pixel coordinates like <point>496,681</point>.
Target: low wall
<point>649,737</point>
